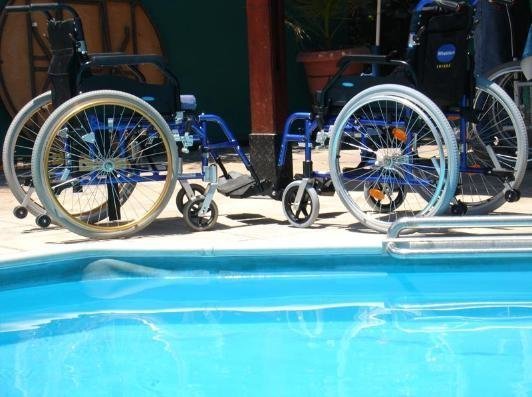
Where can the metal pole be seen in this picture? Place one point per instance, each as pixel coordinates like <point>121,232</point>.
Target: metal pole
<point>378,27</point>
<point>376,50</point>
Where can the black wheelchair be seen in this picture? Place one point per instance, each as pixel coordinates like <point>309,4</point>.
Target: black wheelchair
<point>487,126</point>
<point>144,147</point>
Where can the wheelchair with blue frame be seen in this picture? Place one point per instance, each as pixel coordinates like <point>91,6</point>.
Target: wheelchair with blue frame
<point>371,137</point>
<point>105,162</point>
<point>95,177</point>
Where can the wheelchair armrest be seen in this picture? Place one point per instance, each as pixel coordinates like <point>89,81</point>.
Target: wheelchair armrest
<point>103,54</point>
<point>346,60</point>
<point>389,59</point>
<point>370,59</point>
<point>133,68</point>
<point>503,2</point>
<point>118,59</point>
<point>126,59</point>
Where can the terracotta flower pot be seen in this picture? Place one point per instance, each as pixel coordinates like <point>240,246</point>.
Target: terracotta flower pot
<point>321,65</point>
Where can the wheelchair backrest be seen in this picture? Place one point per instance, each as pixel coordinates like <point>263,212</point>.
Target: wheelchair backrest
<point>65,62</point>
<point>69,74</point>
<point>441,53</point>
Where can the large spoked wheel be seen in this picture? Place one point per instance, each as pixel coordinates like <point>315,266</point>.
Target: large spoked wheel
<point>304,213</point>
<point>182,198</point>
<point>510,77</point>
<point>497,140</point>
<point>107,153</point>
<point>18,147</point>
<point>505,75</point>
<point>393,154</point>
<point>197,222</point>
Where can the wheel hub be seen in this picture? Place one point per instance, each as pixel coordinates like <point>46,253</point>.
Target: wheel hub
<point>391,161</point>
<point>108,166</point>
<point>388,162</point>
<point>390,158</point>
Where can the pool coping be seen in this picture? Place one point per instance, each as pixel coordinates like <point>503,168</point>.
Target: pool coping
<point>124,249</point>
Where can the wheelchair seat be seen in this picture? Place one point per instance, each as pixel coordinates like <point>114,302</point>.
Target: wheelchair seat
<point>346,87</point>
<point>343,87</point>
<point>163,97</point>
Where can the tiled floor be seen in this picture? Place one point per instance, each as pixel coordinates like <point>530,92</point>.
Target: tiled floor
<point>253,222</point>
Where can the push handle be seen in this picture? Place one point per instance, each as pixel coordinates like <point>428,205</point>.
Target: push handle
<point>17,8</point>
<point>370,59</point>
<point>503,2</point>
<point>44,7</point>
<point>450,4</point>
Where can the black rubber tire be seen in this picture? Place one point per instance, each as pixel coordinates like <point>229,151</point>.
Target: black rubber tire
<point>182,196</point>
<point>512,195</point>
<point>43,221</point>
<point>20,212</point>
<point>196,223</point>
<point>309,206</point>
<point>459,209</point>
<point>385,208</point>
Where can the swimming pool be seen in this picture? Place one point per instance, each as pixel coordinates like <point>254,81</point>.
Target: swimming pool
<point>287,323</point>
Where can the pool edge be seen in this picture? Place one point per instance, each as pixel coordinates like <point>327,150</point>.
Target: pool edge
<point>98,249</point>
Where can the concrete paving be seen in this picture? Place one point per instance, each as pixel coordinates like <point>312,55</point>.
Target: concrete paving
<point>242,223</point>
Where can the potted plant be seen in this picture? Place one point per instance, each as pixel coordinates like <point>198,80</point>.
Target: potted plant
<point>326,30</point>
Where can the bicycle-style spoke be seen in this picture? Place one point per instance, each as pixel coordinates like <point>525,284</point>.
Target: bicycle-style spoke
<point>493,143</point>
<point>392,163</point>
<point>108,166</point>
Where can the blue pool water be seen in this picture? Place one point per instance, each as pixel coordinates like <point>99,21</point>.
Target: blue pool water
<point>283,325</point>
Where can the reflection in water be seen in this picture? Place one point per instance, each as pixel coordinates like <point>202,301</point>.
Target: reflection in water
<point>111,269</point>
<point>367,318</point>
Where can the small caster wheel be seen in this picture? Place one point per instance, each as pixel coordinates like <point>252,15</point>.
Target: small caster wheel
<point>307,212</point>
<point>383,197</point>
<point>20,212</point>
<point>512,195</point>
<point>459,208</point>
<point>196,222</point>
<point>182,198</point>
<point>43,221</point>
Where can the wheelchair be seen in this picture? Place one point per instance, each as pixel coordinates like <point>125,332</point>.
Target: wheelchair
<point>490,133</point>
<point>105,162</point>
<point>106,159</point>
<point>85,152</point>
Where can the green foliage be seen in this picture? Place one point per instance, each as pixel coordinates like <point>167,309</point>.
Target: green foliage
<point>326,24</point>
<point>333,24</point>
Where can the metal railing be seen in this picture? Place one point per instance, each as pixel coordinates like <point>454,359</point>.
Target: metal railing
<point>452,242</point>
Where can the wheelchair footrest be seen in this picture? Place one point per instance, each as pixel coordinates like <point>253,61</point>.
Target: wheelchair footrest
<point>502,173</point>
<point>241,186</point>
<point>325,187</point>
